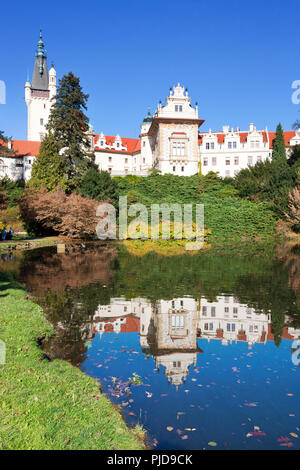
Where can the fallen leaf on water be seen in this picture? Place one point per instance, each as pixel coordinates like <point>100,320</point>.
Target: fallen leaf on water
<point>283,439</point>
<point>184,437</point>
<point>294,434</point>
<point>169,428</point>
<point>212,443</point>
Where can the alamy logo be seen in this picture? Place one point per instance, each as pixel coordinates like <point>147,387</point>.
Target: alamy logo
<point>2,352</point>
<point>167,222</point>
<point>296,94</point>
<point>2,92</point>
<point>296,352</point>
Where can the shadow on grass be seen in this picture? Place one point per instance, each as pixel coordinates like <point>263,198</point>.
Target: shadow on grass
<point>7,283</point>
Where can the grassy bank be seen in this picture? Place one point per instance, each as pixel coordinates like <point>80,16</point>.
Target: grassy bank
<point>49,405</point>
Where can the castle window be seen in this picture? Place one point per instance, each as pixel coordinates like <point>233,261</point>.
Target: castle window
<point>126,160</point>
<point>174,168</point>
<point>205,162</point>
<point>229,145</point>
<point>259,159</point>
<point>177,322</point>
<point>207,146</point>
<point>236,160</point>
<point>214,161</point>
<point>204,310</point>
<point>213,311</point>
<point>178,108</point>
<point>250,160</point>
<point>182,168</point>
<point>178,149</point>
<point>234,145</point>
<point>109,159</point>
<point>212,145</point>
<point>228,161</point>
<point>110,170</point>
<point>41,122</point>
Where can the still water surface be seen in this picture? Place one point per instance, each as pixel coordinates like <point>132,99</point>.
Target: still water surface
<point>200,350</point>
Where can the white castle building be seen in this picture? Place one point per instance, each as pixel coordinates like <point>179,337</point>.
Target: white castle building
<point>169,141</point>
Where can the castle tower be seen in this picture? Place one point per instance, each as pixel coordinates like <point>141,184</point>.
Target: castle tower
<point>39,94</point>
<point>146,151</point>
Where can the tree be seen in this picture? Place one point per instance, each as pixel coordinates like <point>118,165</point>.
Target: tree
<point>279,152</point>
<point>46,213</point>
<point>47,169</point>
<point>282,178</point>
<point>4,150</point>
<point>293,215</point>
<point>98,185</point>
<point>253,182</point>
<point>68,125</point>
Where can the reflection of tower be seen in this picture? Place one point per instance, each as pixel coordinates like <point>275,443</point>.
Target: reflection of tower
<point>174,337</point>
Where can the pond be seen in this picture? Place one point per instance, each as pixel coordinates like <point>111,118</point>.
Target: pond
<point>203,351</point>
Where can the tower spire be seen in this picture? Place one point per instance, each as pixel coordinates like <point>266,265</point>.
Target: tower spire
<point>40,79</point>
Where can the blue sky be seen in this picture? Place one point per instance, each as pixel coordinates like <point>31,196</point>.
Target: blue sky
<point>238,59</point>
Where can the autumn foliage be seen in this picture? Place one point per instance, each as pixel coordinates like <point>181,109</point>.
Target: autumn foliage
<point>47,213</point>
<point>294,206</point>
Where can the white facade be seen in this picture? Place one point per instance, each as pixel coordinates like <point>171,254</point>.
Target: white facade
<point>169,329</point>
<point>170,141</point>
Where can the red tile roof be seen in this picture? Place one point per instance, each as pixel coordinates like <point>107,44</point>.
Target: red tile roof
<point>24,147</point>
<point>133,145</point>
<point>288,135</point>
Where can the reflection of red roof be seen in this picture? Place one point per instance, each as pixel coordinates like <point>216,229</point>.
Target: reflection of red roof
<point>285,334</point>
<point>133,145</point>
<point>132,324</point>
<point>24,147</point>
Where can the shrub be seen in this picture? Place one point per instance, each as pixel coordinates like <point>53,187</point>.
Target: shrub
<point>98,185</point>
<point>58,213</point>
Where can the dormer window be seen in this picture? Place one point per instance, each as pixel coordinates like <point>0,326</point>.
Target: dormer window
<point>210,145</point>
<point>232,145</point>
<point>254,144</point>
<point>178,108</point>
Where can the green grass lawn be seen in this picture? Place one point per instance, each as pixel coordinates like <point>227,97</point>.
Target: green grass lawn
<point>49,405</point>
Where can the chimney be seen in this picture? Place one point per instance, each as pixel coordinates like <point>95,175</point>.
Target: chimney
<point>225,129</point>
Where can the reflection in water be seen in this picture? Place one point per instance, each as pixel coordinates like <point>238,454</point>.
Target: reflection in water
<point>211,336</point>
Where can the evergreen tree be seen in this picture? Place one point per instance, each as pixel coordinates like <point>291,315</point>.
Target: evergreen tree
<point>279,153</point>
<point>98,185</point>
<point>282,179</point>
<point>48,169</point>
<point>68,125</point>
